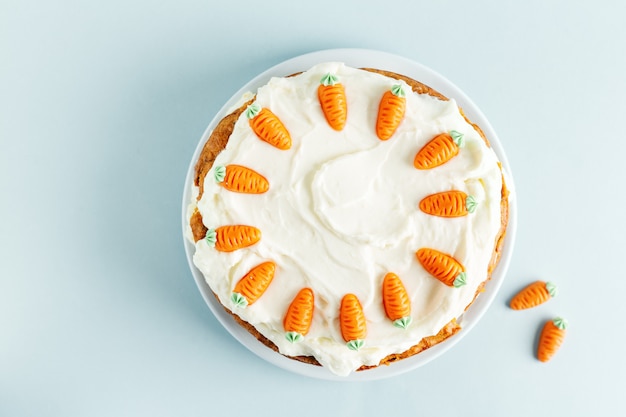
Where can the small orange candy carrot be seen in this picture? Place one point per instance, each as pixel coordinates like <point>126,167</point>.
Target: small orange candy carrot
<point>232,237</point>
<point>439,150</point>
<point>442,266</point>
<point>352,321</point>
<point>252,285</point>
<point>332,97</point>
<point>448,204</point>
<point>297,321</point>
<point>268,126</point>
<point>551,338</point>
<point>390,112</point>
<point>396,301</point>
<point>241,179</point>
<point>533,295</point>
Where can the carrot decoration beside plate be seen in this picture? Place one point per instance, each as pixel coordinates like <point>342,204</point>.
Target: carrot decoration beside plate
<point>551,338</point>
<point>533,295</point>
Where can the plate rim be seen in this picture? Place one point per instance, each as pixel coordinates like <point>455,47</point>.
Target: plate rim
<point>357,57</point>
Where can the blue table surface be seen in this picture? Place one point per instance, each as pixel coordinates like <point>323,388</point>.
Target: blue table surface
<point>101,107</point>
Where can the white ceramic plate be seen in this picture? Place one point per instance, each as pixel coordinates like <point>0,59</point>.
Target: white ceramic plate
<point>375,59</point>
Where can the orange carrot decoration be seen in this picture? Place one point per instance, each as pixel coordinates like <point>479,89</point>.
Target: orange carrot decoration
<point>396,301</point>
<point>231,238</point>
<point>252,285</point>
<point>268,126</point>
<point>442,266</point>
<point>352,321</point>
<point>297,321</point>
<point>533,295</point>
<point>241,179</point>
<point>332,97</point>
<point>551,338</point>
<point>390,112</point>
<point>448,204</point>
<point>439,150</point>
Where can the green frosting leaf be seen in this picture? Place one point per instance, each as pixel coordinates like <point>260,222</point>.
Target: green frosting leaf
<point>239,300</point>
<point>403,322</point>
<point>220,173</point>
<point>552,289</point>
<point>293,337</point>
<point>398,91</point>
<point>355,344</point>
<point>329,79</point>
<point>252,110</point>
<point>211,237</point>
<point>460,280</point>
<point>470,203</point>
<point>457,137</point>
<point>561,323</point>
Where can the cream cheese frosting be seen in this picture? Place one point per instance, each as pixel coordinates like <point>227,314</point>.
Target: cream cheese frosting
<point>342,210</point>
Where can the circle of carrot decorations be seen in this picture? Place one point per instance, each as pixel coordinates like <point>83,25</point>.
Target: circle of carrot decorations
<point>332,97</point>
<point>551,338</point>
<point>439,150</point>
<point>448,204</point>
<point>396,301</point>
<point>241,179</point>
<point>232,237</point>
<point>390,112</point>
<point>442,266</point>
<point>352,322</point>
<point>533,295</point>
<point>268,126</point>
<point>297,321</point>
<point>252,285</point>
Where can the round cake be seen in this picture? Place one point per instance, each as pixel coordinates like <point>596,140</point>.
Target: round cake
<point>347,217</point>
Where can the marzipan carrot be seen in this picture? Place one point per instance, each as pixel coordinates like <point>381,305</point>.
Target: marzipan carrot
<point>252,285</point>
<point>439,150</point>
<point>268,126</point>
<point>232,237</point>
<point>396,301</point>
<point>442,266</point>
<point>448,204</point>
<point>332,97</point>
<point>352,321</point>
<point>241,179</point>
<point>534,294</point>
<point>390,112</point>
<point>297,321</point>
<point>551,338</point>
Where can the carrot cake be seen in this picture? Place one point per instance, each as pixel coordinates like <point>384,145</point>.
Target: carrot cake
<point>347,217</point>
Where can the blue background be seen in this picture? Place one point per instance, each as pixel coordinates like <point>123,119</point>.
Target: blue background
<point>101,107</point>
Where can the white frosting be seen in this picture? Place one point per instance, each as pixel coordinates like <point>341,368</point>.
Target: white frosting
<point>342,211</point>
